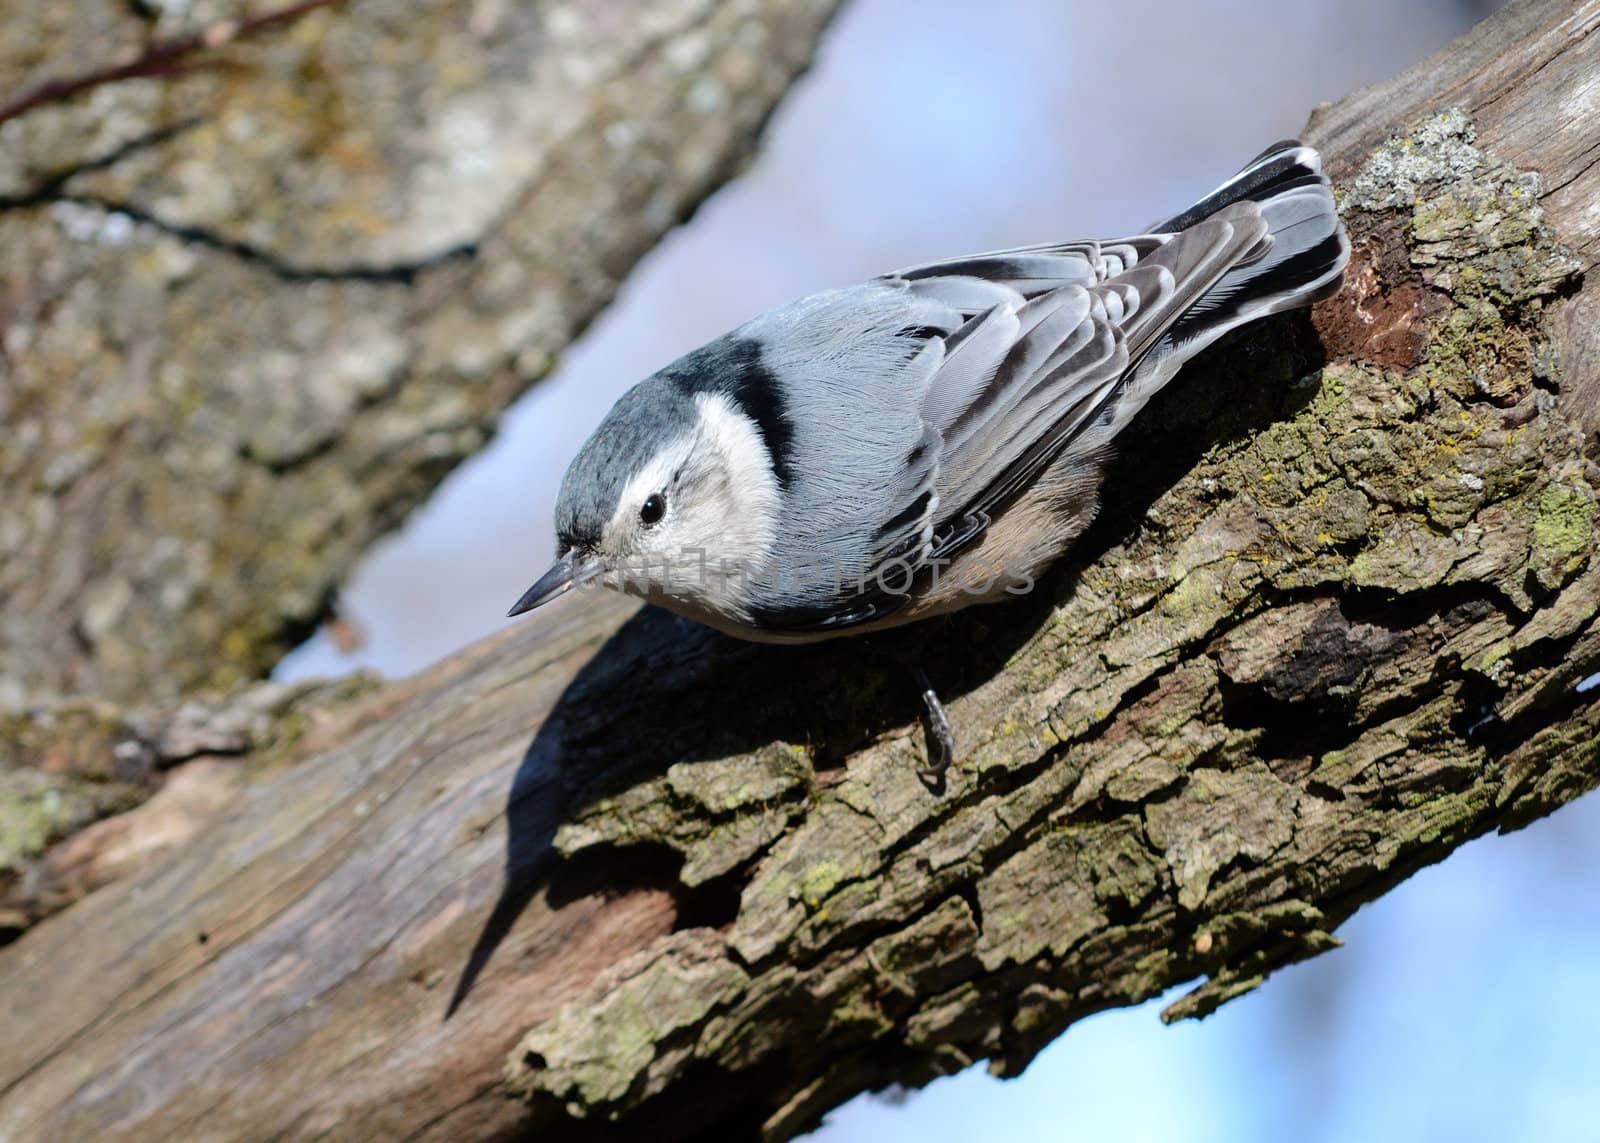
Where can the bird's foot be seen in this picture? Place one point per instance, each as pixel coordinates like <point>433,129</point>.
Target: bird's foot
<point>940,740</point>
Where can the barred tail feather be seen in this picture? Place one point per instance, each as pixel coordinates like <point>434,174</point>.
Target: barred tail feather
<point>1285,162</point>
<point>1302,260</point>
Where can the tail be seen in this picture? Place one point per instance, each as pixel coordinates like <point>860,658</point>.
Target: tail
<point>1300,261</point>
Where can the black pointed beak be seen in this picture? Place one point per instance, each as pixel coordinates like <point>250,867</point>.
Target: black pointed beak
<point>567,571</point>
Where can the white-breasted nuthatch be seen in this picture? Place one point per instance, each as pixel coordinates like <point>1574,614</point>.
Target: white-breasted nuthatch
<point>930,439</point>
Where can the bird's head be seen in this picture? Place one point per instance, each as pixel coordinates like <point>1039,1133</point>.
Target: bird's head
<point>672,499</point>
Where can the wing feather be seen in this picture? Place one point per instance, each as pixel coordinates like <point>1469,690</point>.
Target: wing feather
<point>1009,357</point>
<point>1035,370</point>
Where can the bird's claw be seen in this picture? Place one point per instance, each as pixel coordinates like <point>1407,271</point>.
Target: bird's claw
<point>941,741</point>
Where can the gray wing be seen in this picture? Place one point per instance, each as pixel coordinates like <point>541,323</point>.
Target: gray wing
<point>995,364</point>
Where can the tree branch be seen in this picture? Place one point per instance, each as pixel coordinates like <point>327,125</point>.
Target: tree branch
<point>411,209</point>
<point>1330,627</point>
<point>408,223</point>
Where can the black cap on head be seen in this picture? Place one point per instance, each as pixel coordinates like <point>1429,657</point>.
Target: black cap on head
<point>647,416</point>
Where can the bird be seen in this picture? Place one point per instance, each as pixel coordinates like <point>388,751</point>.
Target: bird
<point>931,439</point>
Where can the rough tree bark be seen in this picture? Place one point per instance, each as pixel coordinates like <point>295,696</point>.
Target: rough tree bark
<point>256,304</point>
<point>1328,629</point>
<point>255,309</point>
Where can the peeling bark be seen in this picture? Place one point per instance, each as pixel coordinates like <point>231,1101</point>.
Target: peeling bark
<point>1329,627</point>
<point>90,791</point>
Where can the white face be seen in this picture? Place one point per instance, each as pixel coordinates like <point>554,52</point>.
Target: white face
<point>698,521</point>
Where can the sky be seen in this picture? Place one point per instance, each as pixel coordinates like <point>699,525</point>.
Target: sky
<point>1463,1004</point>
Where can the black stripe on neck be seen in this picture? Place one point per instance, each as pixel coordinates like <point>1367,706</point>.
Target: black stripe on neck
<point>733,366</point>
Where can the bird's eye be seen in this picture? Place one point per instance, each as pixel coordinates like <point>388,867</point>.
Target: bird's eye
<point>655,507</point>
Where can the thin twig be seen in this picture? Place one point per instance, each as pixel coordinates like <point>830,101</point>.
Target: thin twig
<point>161,58</point>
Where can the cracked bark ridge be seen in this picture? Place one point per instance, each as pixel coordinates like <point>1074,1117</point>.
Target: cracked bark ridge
<point>252,312</point>
<point>1328,628</point>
